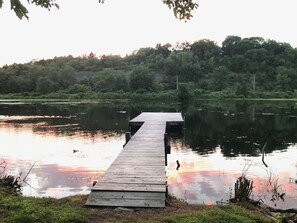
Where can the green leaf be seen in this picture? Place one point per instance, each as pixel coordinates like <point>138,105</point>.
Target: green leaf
<point>19,9</point>
<point>182,9</point>
<point>48,4</point>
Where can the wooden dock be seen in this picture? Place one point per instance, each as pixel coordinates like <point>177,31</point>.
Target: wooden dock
<point>137,176</point>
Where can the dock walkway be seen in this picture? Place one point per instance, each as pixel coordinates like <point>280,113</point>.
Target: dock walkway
<point>137,176</point>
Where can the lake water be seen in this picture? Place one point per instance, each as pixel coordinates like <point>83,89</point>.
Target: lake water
<point>69,145</point>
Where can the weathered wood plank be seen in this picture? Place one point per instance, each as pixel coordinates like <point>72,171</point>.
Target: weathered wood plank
<point>142,148</point>
<point>135,168</point>
<point>133,176</point>
<point>138,164</point>
<point>153,162</point>
<point>167,116</point>
<point>157,157</point>
<point>131,180</point>
<point>158,175</point>
<point>104,186</point>
<point>127,171</point>
<point>125,202</point>
<point>130,195</point>
<point>135,154</point>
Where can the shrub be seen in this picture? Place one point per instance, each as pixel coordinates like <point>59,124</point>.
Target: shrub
<point>12,183</point>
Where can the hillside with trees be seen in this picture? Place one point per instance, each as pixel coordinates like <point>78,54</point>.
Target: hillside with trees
<point>241,67</point>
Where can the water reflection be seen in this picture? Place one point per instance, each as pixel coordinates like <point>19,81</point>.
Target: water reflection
<point>58,171</point>
<point>221,141</point>
<point>211,178</point>
<point>65,119</point>
<point>241,128</point>
<point>59,181</point>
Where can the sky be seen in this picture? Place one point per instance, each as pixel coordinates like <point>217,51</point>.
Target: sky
<point>120,27</point>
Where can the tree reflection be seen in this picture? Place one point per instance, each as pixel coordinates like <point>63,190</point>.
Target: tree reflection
<point>241,128</point>
<point>238,127</point>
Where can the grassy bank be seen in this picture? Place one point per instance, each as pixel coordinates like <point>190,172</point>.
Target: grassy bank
<point>166,95</point>
<point>18,209</point>
<point>170,95</point>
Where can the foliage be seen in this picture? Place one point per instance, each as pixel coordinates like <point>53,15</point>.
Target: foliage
<point>109,80</point>
<point>44,85</point>
<point>243,189</point>
<point>182,9</point>
<point>241,68</point>
<point>11,183</point>
<point>141,79</point>
<point>183,93</point>
<point>21,11</point>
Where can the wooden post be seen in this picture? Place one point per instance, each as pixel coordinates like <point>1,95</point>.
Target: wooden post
<point>166,144</point>
<point>128,137</point>
<point>165,139</point>
<point>166,147</point>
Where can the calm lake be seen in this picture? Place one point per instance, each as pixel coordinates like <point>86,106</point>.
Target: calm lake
<point>69,145</point>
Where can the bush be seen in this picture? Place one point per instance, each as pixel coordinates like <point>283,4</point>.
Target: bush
<point>8,182</point>
<point>11,183</point>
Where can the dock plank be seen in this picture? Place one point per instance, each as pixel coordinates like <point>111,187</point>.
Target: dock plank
<point>133,180</point>
<point>105,186</point>
<point>130,195</point>
<point>98,201</point>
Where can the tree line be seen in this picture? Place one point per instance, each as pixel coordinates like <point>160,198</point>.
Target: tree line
<point>240,67</point>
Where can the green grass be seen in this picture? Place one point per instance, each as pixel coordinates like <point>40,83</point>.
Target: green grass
<point>225,213</point>
<point>164,95</point>
<point>171,95</point>
<point>19,209</point>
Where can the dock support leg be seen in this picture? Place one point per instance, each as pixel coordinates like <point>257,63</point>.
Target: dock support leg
<point>128,137</point>
<point>167,147</point>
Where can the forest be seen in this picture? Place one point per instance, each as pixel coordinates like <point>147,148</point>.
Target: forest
<point>240,68</point>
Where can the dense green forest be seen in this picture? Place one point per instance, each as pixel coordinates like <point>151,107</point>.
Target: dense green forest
<point>241,67</point>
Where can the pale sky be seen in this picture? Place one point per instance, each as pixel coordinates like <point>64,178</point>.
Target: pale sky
<point>121,26</point>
